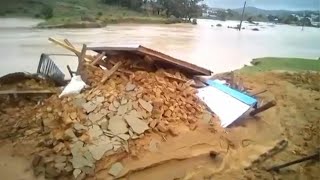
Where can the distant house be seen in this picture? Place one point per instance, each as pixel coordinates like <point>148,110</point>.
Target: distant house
<point>209,13</point>
<point>317,24</point>
<point>205,14</point>
<point>297,16</point>
<point>314,16</point>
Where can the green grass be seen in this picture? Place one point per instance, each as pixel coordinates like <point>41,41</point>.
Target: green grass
<point>73,11</point>
<point>285,64</point>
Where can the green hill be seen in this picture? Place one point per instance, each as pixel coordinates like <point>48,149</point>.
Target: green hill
<point>74,12</point>
<point>257,11</point>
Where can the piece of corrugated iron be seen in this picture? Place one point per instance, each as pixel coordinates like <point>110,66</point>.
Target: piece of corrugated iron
<point>156,56</point>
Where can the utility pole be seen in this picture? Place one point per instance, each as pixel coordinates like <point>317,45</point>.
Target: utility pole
<point>319,16</point>
<point>303,20</point>
<point>244,7</point>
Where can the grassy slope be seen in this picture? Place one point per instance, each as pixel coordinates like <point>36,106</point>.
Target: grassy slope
<point>70,11</point>
<point>287,64</point>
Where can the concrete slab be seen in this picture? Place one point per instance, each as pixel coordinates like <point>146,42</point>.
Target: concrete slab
<point>145,105</point>
<point>137,125</point>
<point>117,125</point>
<point>115,169</point>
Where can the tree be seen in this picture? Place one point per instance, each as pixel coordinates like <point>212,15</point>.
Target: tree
<point>47,12</point>
<point>182,8</point>
<point>178,8</point>
<point>222,15</point>
<point>290,19</point>
<point>316,19</point>
<point>272,18</point>
<point>155,6</point>
<point>193,9</point>
<point>205,7</point>
<point>250,19</point>
<point>230,13</point>
<point>131,4</point>
<point>305,22</point>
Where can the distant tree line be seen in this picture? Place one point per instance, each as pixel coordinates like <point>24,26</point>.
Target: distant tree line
<point>177,8</point>
<point>131,4</point>
<point>291,19</point>
<point>296,19</point>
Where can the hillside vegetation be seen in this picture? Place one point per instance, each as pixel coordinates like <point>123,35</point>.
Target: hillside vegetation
<point>71,12</point>
<point>286,64</point>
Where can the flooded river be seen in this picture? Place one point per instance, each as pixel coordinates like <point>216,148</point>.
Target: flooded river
<point>217,48</point>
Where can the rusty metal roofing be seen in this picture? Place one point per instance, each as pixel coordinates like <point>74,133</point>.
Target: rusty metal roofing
<point>158,57</point>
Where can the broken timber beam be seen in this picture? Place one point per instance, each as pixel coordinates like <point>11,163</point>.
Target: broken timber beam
<point>8,92</point>
<point>258,92</point>
<point>70,71</point>
<point>68,43</point>
<point>311,157</point>
<point>168,75</point>
<point>98,58</point>
<point>264,107</point>
<point>72,49</point>
<point>81,57</point>
<point>109,73</point>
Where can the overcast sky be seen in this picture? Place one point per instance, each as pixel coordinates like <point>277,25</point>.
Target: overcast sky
<point>267,4</point>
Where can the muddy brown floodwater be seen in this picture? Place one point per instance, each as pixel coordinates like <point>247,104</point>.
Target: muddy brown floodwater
<point>217,48</point>
<point>295,118</point>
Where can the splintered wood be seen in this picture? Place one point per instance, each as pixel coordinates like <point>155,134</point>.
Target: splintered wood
<point>67,45</point>
<point>81,57</point>
<point>109,73</point>
<point>98,58</point>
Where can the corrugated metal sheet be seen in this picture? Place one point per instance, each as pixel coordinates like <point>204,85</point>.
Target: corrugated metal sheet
<point>226,107</point>
<point>156,56</point>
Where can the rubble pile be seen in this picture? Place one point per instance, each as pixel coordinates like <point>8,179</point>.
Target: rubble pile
<point>80,130</point>
<point>24,81</point>
<point>16,110</point>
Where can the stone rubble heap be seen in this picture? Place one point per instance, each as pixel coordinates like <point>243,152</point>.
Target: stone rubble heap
<point>101,122</point>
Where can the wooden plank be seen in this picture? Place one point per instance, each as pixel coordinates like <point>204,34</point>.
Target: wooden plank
<point>64,46</point>
<point>83,52</point>
<point>68,43</point>
<point>168,75</point>
<point>264,107</point>
<point>157,57</point>
<point>110,72</point>
<point>70,71</point>
<point>74,50</point>
<point>125,71</point>
<point>81,57</point>
<point>98,58</point>
<point>310,157</point>
<point>255,93</point>
<point>160,57</point>
<point>14,91</point>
